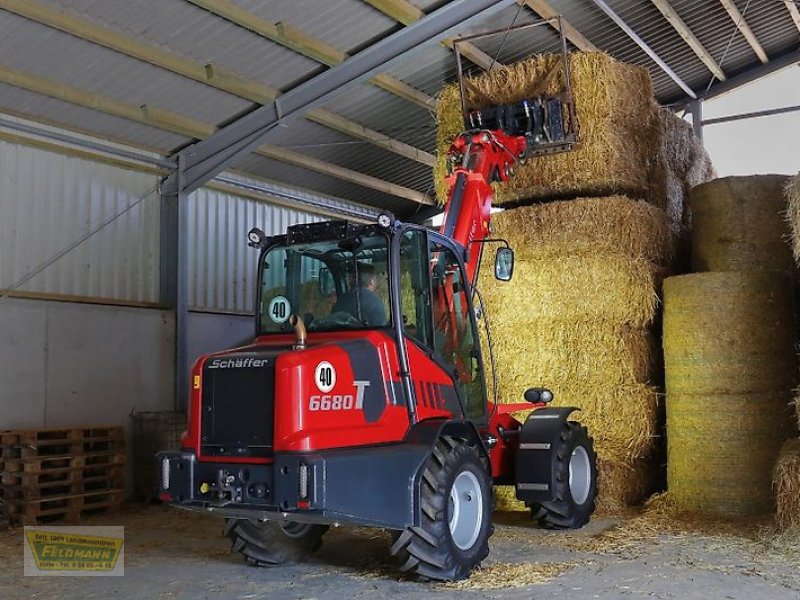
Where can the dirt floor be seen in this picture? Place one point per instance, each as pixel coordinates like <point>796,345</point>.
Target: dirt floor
<point>172,554</point>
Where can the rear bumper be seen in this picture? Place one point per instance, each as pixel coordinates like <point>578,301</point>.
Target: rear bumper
<point>371,486</point>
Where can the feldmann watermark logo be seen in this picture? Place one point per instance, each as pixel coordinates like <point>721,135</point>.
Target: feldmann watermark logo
<point>72,551</point>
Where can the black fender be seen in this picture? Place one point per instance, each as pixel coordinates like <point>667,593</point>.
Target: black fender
<point>536,458</point>
<point>427,433</point>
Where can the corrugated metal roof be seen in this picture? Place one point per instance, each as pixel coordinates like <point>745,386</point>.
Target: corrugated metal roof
<point>35,106</point>
<point>185,30</point>
<point>195,33</point>
<point>343,24</point>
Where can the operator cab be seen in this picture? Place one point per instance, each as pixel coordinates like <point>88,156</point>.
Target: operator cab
<point>338,276</point>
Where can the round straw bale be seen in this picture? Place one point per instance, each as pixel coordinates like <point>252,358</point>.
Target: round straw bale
<point>577,287</point>
<point>575,351</point>
<point>739,224</point>
<point>728,332</point>
<point>721,449</point>
<point>786,481</point>
<point>624,484</point>
<point>618,129</point>
<point>615,224</point>
<point>792,193</point>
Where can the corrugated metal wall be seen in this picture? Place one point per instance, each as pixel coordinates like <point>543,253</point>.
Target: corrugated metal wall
<point>48,201</point>
<point>222,268</point>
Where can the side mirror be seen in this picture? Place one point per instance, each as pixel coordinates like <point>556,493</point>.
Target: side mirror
<point>504,264</point>
<point>256,238</point>
<point>325,283</point>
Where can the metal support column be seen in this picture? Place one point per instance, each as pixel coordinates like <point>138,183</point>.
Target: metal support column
<point>696,110</point>
<point>174,278</point>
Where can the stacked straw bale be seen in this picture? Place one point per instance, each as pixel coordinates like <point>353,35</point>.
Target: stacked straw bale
<point>682,164</point>
<point>618,130</point>
<point>729,358</point>
<point>577,318</point>
<point>739,224</point>
<point>786,477</point>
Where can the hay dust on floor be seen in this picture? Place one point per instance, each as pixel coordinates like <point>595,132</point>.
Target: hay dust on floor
<point>654,553</point>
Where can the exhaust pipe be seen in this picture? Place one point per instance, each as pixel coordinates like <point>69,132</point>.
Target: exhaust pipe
<point>299,331</point>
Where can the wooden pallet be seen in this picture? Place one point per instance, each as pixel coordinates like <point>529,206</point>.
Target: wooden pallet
<point>61,473</point>
<point>61,476</point>
<point>70,507</point>
<point>51,442</point>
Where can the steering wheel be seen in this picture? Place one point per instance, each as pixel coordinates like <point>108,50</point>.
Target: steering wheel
<point>337,318</point>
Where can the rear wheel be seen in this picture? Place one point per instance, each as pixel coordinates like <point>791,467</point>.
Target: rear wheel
<point>455,495</point>
<point>265,543</point>
<point>575,481</point>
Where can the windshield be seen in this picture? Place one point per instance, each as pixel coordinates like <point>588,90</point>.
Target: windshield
<point>341,284</point>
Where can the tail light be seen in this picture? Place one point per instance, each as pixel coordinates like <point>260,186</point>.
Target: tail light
<point>164,473</point>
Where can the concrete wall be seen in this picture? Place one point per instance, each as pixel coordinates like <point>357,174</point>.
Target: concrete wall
<point>64,364</point>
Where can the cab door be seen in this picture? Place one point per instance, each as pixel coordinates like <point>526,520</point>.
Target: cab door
<point>439,324</point>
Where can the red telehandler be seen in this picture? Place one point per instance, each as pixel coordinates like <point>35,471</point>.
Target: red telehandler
<point>363,399</point>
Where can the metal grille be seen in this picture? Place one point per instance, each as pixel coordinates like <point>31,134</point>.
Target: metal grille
<point>238,407</point>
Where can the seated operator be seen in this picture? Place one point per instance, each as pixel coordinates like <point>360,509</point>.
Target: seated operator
<point>372,310</point>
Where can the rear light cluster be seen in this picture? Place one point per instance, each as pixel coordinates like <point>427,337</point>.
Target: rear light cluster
<point>164,473</point>
<point>303,476</point>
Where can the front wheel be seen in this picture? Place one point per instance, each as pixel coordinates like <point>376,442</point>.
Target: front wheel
<point>455,495</point>
<point>265,543</point>
<point>575,481</point>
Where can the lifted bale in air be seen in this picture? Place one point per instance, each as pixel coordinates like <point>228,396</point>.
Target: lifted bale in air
<point>786,481</point>
<point>728,333</point>
<point>792,193</point>
<point>617,135</point>
<point>614,224</point>
<point>721,449</point>
<point>739,225</point>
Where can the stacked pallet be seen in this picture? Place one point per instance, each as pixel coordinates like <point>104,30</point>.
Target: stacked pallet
<point>729,350</point>
<point>578,316</point>
<point>61,474</point>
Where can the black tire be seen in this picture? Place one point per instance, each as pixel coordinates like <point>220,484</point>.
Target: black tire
<point>432,550</point>
<point>568,510</point>
<point>267,543</point>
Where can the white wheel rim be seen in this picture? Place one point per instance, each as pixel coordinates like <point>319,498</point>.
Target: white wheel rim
<point>580,475</point>
<point>466,510</point>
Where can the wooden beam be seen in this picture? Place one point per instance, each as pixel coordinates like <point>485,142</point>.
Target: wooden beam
<point>139,114</point>
<point>310,47</point>
<point>403,90</point>
<point>742,25</point>
<point>791,6</point>
<point>208,74</point>
<point>689,37</point>
<point>181,125</point>
<point>406,13</point>
<point>215,76</point>
<point>545,11</point>
<point>306,162</point>
<point>334,121</point>
<point>280,33</point>
<point>235,190</point>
